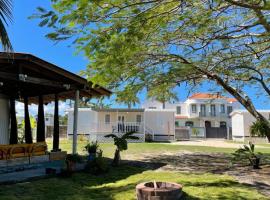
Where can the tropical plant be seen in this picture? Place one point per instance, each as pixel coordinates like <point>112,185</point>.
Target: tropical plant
<point>247,152</point>
<point>259,128</point>
<point>5,16</point>
<point>138,45</point>
<point>92,147</point>
<point>121,144</point>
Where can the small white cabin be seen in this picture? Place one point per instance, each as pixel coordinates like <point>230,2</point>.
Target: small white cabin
<point>96,123</point>
<point>241,122</point>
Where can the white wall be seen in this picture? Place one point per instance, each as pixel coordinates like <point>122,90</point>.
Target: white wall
<point>238,126</point>
<point>87,121</point>
<point>160,121</point>
<point>4,120</point>
<point>241,122</point>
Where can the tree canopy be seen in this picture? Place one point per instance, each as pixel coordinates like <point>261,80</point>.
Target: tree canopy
<point>5,17</point>
<point>160,44</point>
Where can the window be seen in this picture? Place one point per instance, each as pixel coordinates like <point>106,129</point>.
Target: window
<point>178,110</point>
<point>193,108</point>
<point>177,124</point>
<point>189,123</point>
<point>213,110</point>
<point>107,119</point>
<point>229,109</point>
<point>203,110</point>
<point>223,125</point>
<point>222,108</point>
<point>152,107</point>
<point>138,118</point>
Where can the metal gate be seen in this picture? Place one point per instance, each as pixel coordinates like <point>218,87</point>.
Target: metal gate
<point>216,132</point>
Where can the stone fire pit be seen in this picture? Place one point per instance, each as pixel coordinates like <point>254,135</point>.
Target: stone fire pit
<point>158,191</point>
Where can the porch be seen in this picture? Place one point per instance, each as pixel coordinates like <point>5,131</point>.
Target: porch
<point>31,80</point>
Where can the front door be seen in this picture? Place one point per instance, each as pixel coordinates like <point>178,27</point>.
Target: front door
<point>207,124</point>
<point>121,123</point>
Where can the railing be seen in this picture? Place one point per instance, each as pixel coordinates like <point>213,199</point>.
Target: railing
<point>210,114</point>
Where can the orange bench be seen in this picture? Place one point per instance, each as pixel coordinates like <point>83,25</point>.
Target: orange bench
<point>22,150</point>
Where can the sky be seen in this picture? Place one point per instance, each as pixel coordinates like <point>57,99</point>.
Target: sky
<point>27,37</point>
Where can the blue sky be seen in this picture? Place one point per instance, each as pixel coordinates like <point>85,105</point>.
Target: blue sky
<point>27,36</point>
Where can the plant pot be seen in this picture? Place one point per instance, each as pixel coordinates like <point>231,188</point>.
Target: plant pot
<point>91,156</point>
<point>71,166</point>
<point>256,163</point>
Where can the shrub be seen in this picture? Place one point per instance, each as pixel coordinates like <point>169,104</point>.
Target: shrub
<point>247,152</point>
<point>259,128</point>
<point>98,165</point>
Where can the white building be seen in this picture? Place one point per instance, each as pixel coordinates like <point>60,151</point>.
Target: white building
<point>96,123</point>
<point>241,122</point>
<point>202,114</point>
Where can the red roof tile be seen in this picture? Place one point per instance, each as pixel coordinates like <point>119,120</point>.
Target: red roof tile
<point>211,96</point>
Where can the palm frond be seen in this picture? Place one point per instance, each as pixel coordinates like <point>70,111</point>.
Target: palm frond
<point>5,16</point>
<point>132,137</point>
<point>111,135</point>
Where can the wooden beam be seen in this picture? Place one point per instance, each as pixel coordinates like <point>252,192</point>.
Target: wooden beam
<point>34,80</point>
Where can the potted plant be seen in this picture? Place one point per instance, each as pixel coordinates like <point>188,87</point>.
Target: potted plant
<point>71,161</point>
<point>248,152</point>
<point>92,148</point>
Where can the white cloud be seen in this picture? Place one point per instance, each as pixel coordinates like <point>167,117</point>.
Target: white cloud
<point>48,109</point>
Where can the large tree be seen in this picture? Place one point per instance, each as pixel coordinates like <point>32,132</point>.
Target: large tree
<point>5,17</point>
<point>163,43</point>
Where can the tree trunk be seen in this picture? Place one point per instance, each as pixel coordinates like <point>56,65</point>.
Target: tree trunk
<point>246,102</point>
<point>117,158</point>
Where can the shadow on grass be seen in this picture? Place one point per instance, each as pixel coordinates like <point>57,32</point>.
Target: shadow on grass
<point>119,184</point>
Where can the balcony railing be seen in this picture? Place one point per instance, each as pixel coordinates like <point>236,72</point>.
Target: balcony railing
<point>210,114</point>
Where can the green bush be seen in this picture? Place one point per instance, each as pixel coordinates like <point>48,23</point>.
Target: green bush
<point>98,165</point>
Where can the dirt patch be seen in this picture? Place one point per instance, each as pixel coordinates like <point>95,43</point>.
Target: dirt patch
<point>216,163</point>
<point>219,143</point>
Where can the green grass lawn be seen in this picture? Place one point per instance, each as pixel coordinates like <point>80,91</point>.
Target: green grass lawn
<point>141,148</point>
<point>119,184</point>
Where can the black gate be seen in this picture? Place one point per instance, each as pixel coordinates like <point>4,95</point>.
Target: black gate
<point>216,132</point>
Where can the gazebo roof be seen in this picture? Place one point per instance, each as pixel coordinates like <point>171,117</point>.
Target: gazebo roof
<point>27,75</point>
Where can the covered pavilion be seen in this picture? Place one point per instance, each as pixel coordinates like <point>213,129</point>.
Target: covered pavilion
<point>31,80</point>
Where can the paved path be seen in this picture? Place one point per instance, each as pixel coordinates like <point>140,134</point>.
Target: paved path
<point>213,143</point>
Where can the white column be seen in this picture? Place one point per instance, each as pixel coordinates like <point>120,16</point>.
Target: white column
<point>4,119</point>
<point>75,122</point>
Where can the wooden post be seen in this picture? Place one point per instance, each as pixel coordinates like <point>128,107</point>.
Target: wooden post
<point>56,125</point>
<point>75,122</point>
<point>27,123</point>
<point>41,121</point>
<point>13,139</point>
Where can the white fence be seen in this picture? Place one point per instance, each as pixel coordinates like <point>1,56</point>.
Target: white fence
<point>187,133</point>
<point>100,137</point>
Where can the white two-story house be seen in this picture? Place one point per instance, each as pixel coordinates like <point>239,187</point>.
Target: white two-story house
<point>202,114</point>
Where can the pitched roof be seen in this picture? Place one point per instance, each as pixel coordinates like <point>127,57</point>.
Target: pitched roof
<point>211,96</point>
